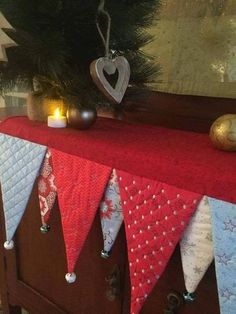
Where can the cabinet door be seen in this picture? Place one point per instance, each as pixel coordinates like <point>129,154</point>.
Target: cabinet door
<point>37,266</point>
<point>172,281</point>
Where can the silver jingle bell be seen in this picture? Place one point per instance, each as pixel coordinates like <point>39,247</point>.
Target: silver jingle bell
<point>9,245</point>
<point>70,277</point>
<point>45,228</point>
<point>189,297</point>
<point>105,254</point>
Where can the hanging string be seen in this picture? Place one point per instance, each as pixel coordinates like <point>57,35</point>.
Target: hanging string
<point>106,41</point>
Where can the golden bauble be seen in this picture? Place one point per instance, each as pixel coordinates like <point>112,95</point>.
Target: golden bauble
<point>223,132</point>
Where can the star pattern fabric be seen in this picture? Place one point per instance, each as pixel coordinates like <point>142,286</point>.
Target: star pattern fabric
<point>47,190</point>
<point>196,246</point>
<point>111,213</point>
<point>80,187</point>
<point>224,239</point>
<point>155,215</point>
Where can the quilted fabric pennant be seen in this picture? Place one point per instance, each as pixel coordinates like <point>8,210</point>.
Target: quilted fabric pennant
<point>155,215</point>
<point>20,162</point>
<point>80,187</point>
<point>196,246</point>
<point>224,235</point>
<point>111,214</point>
<point>47,190</point>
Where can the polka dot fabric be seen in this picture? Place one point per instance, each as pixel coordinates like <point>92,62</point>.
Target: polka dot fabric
<point>155,215</point>
<point>80,187</point>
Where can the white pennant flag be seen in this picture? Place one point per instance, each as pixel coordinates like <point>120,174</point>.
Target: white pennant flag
<point>20,162</point>
<point>196,246</point>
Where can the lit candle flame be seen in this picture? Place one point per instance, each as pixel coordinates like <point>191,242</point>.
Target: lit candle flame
<point>57,113</point>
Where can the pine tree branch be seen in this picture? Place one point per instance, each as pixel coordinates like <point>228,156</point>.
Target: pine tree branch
<point>58,40</point>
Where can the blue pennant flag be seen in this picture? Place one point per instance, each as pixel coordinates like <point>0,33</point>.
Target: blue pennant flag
<point>20,162</point>
<point>224,238</point>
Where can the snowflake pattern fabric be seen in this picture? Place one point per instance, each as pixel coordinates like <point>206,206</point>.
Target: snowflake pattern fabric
<point>111,213</point>
<point>224,238</point>
<point>47,190</point>
<point>196,246</point>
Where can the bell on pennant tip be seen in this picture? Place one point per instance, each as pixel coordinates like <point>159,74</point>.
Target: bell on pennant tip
<point>105,254</point>
<point>189,297</point>
<point>70,277</point>
<point>45,228</point>
<point>9,245</point>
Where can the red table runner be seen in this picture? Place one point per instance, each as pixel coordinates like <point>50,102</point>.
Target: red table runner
<point>184,159</point>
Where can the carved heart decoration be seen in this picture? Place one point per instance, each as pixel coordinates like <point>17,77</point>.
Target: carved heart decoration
<point>110,66</point>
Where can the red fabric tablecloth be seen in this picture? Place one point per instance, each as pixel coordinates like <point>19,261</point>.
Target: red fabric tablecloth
<point>184,159</point>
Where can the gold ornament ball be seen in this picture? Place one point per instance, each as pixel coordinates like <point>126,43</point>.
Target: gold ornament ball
<point>223,132</point>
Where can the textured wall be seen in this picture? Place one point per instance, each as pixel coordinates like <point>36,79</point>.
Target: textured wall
<point>195,44</point>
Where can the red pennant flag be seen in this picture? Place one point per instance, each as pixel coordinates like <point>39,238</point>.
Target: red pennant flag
<point>80,186</point>
<point>155,215</point>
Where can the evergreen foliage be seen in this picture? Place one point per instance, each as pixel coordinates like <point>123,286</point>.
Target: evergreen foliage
<point>58,39</point>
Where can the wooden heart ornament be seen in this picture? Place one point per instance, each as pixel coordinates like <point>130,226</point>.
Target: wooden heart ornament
<point>109,66</point>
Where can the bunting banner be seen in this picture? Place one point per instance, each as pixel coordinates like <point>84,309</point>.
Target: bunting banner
<point>47,190</point>
<point>224,239</point>
<point>155,215</point>
<point>20,162</point>
<point>196,246</point>
<point>111,214</point>
<point>80,187</point>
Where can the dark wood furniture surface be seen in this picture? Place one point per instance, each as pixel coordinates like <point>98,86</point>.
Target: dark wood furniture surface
<point>32,273</point>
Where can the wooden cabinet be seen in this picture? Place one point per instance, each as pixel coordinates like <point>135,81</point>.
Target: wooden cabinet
<point>32,275</point>
<point>34,271</point>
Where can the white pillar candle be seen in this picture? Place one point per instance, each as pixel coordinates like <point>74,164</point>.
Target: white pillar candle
<point>57,120</point>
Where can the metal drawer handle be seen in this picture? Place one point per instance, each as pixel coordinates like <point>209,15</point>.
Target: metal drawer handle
<point>175,301</point>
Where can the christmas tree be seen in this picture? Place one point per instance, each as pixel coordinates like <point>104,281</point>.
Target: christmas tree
<point>58,39</point>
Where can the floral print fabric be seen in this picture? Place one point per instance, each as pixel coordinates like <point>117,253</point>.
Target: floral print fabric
<point>111,213</point>
<point>47,190</point>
